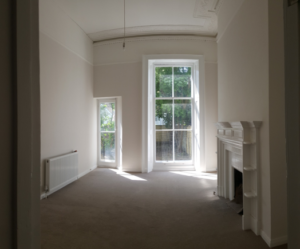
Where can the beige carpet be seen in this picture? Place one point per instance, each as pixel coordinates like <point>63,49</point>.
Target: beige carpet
<point>160,210</point>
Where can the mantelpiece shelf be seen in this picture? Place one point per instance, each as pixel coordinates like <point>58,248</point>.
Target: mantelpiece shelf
<point>250,194</point>
<point>250,168</point>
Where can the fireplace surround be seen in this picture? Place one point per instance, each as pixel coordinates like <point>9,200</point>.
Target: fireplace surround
<point>238,148</point>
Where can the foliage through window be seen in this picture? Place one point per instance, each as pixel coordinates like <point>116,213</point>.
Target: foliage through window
<point>107,130</point>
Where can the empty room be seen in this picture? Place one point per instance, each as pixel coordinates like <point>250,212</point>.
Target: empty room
<point>154,124</point>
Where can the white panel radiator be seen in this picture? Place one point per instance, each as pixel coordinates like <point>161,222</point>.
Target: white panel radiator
<point>60,171</point>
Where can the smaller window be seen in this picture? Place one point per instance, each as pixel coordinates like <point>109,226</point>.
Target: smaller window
<point>107,132</point>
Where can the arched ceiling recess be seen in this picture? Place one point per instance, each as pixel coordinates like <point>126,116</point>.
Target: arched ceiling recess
<point>103,19</point>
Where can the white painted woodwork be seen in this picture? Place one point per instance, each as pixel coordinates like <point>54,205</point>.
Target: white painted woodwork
<point>197,62</point>
<point>238,148</point>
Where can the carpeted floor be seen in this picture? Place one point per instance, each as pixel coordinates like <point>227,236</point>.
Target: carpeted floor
<point>160,210</point>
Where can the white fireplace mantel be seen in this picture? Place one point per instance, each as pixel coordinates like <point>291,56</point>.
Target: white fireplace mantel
<point>238,148</point>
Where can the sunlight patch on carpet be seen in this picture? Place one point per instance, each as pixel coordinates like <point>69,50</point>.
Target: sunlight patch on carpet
<point>128,176</point>
<point>202,175</point>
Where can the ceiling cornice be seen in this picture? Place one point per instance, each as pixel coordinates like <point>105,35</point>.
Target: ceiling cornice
<point>154,30</point>
<point>156,38</point>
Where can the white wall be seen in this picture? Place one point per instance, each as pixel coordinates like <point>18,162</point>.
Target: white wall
<point>68,110</point>
<point>118,72</point>
<point>250,87</point>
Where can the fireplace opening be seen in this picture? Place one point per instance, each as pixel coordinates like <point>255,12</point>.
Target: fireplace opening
<point>238,191</point>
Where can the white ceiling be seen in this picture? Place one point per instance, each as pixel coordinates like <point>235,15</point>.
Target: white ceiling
<point>103,19</point>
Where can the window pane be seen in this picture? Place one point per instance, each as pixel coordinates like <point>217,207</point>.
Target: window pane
<point>182,82</point>
<point>108,146</point>
<point>164,114</point>
<point>163,81</point>
<point>183,145</point>
<point>164,146</point>
<point>183,114</point>
<point>107,113</point>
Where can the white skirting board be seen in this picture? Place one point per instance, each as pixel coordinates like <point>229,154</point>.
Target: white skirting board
<point>44,195</point>
<point>132,171</point>
<point>62,185</point>
<point>273,242</point>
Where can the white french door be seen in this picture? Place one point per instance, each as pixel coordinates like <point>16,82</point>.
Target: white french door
<point>107,132</point>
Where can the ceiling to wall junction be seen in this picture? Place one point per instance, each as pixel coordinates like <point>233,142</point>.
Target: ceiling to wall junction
<point>104,19</point>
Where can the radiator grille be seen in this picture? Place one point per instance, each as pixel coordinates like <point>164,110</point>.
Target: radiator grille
<point>60,171</point>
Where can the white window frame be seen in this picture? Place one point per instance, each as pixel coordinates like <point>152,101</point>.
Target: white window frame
<point>118,133</point>
<point>148,119</point>
<point>181,164</point>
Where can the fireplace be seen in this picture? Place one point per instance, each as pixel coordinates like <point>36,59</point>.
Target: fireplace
<point>238,164</point>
